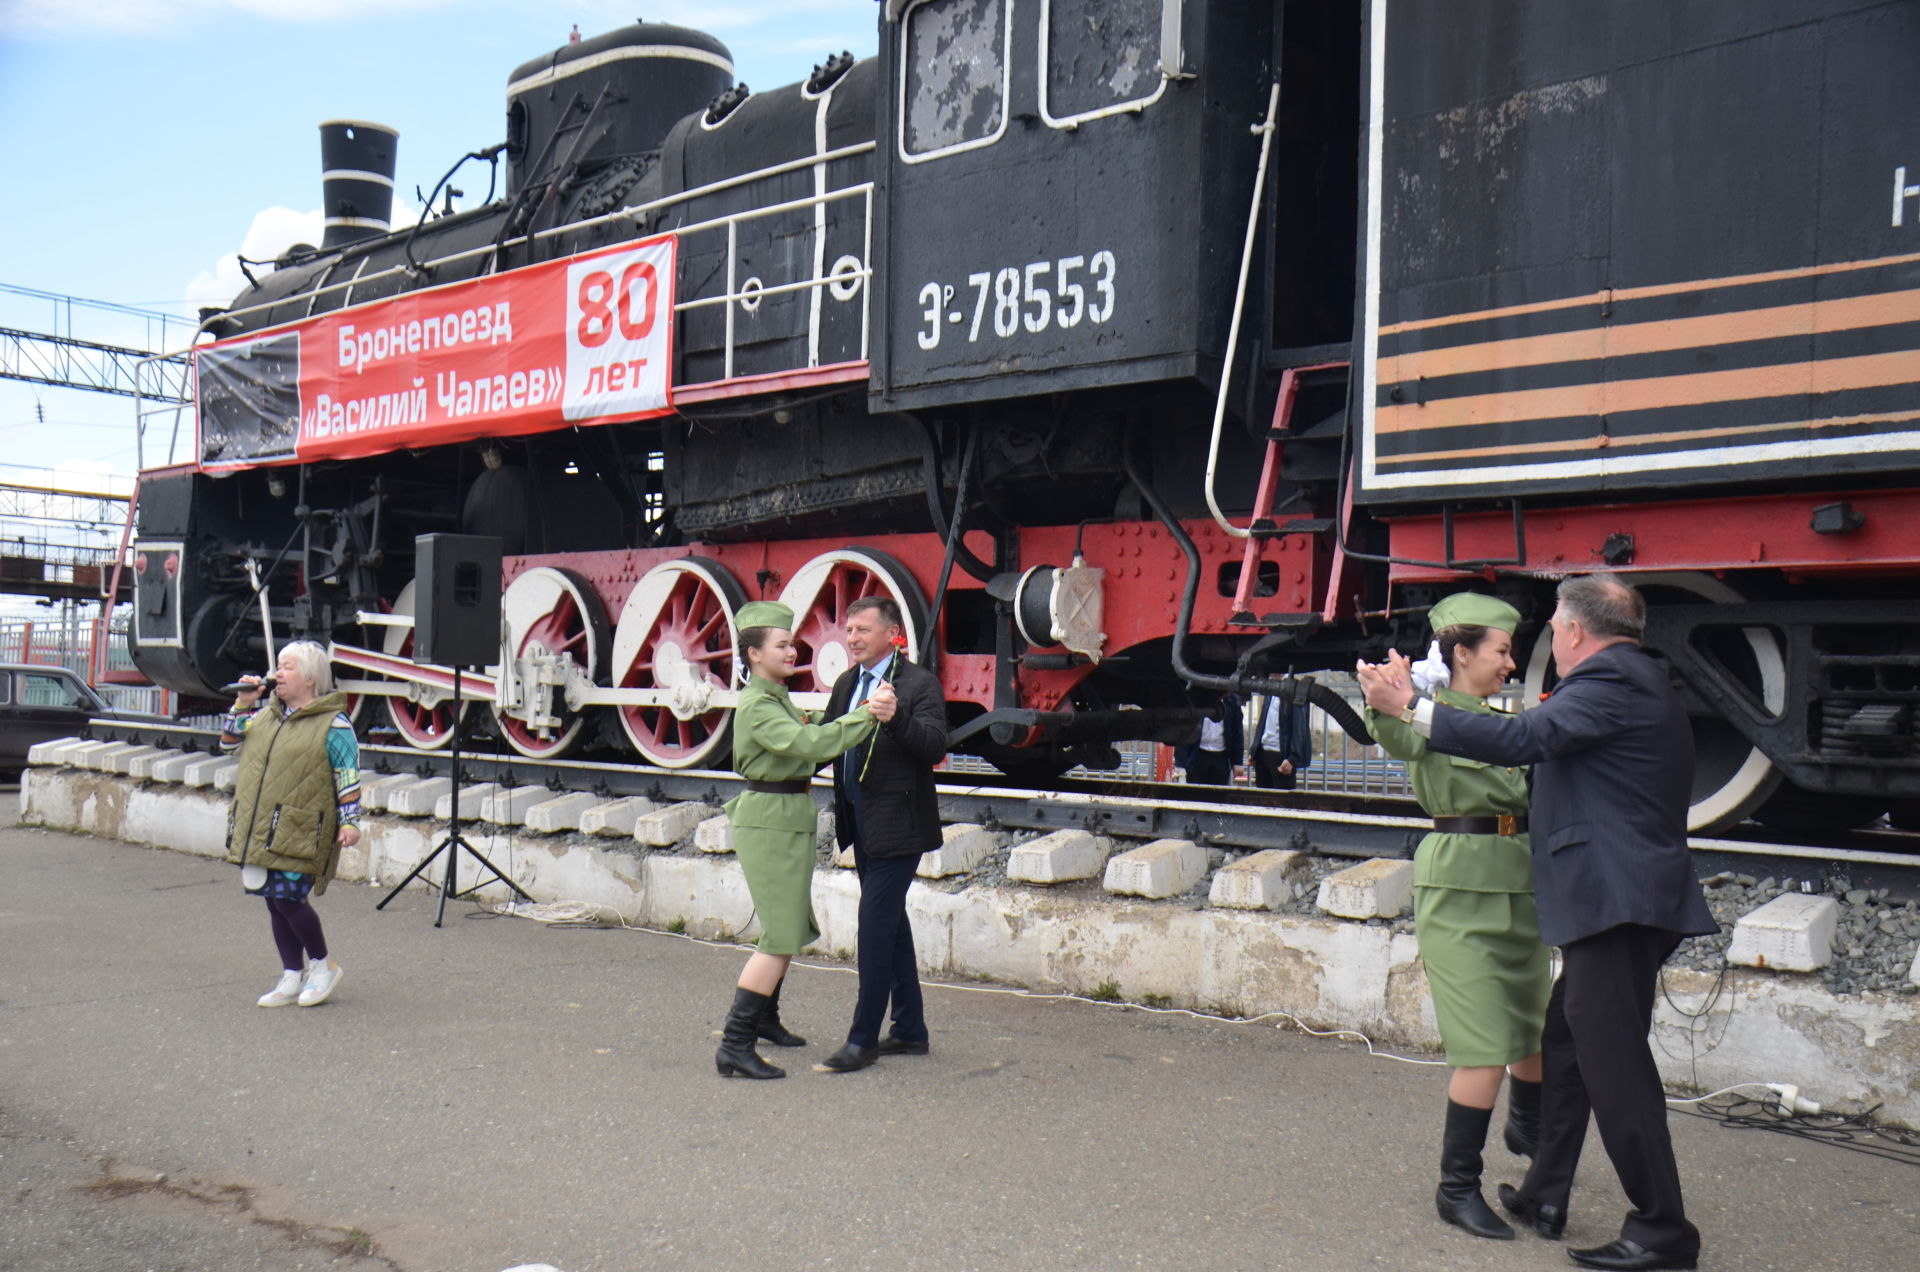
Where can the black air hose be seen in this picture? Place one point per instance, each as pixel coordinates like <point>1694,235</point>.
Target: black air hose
<point>1289,689</point>
<point>930,657</point>
<point>930,466</point>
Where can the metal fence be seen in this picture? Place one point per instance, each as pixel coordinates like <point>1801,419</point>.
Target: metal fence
<point>67,641</point>
<point>1340,765</point>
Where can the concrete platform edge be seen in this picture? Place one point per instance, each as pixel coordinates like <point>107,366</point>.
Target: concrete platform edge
<point>1709,1032</point>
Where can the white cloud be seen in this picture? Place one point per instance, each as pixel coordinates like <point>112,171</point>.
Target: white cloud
<point>706,15</point>
<point>142,17</point>
<point>272,232</point>
<point>90,475</point>
<point>145,17</point>
<point>822,43</point>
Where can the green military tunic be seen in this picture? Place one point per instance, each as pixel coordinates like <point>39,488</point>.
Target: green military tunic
<point>1473,900</point>
<point>773,835</point>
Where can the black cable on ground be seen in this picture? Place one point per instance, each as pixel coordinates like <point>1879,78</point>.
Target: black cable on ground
<point>1855,1132</point>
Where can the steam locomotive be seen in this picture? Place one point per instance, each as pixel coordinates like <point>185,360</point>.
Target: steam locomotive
<point>1140,349</point>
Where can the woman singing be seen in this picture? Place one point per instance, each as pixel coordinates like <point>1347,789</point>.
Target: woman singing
<point>774,824</point>
<point>296,803</point>
<point>1473,907</point>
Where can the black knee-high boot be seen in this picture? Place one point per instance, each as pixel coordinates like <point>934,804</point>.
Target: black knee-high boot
<point>771,1030</point>
<point>736,1057</point>
<point>1523,1116</point>
<point>1458,1199</point>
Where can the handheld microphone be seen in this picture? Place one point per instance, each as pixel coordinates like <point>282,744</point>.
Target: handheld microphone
<point>238,687</point>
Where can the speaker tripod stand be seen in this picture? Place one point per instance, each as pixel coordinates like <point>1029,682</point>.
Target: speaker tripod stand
<point>454,841</point>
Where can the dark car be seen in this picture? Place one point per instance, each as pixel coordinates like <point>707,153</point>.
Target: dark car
<point>40,704</point>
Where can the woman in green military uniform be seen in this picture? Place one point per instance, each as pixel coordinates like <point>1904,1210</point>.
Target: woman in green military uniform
<point>777,749</point>
<point>1473,907</point>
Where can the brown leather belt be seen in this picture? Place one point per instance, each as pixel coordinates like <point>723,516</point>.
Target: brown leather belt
<point>1504,824</point>
<point>798,786</point>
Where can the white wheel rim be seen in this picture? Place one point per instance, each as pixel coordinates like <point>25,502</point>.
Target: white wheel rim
<point>824,580</point>
<point>693,600</point>
<point>407,712</point>
<point>1755,774</point>
<point>550,621</point>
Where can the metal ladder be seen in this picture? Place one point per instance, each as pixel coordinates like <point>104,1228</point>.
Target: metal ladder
<point>1263,526</point>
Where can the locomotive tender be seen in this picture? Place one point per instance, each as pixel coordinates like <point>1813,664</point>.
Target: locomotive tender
<point>1138,348</point>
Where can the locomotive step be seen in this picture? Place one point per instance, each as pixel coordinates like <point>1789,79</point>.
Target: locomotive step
<point>1266,529</point>
<point>1246,619</point>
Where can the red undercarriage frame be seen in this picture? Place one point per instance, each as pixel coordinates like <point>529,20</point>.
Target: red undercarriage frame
<point>1145,571</point>
<point>1718,536</point>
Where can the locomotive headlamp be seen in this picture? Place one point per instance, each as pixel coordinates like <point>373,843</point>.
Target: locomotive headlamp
<point>276,485</point>
<point>491,456</point>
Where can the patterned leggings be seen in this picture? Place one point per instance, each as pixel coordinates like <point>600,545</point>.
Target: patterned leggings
<point>296,928</point>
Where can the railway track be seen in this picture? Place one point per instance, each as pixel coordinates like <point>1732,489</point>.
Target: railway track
<point>1245,820</point>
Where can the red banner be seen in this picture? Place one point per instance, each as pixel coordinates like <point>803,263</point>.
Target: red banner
<point>586,339</point>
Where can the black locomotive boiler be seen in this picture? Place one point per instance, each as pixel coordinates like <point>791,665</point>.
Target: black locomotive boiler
<point>1138,348</point>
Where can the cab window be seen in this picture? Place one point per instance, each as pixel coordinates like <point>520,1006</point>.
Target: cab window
<point>1099,58</point>
<point>953,77</point>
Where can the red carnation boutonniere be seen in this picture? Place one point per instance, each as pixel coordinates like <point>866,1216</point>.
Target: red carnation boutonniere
<point>900,641</point>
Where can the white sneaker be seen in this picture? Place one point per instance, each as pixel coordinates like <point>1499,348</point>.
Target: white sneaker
<point>284,993</point>
<point>321,982</point>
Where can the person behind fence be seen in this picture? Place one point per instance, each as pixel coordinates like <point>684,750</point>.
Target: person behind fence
<point>1612,756</point>
<point>296,804</point>
<point>1210,757</point>
<point>776,748</point>
<point>1473,907</point>
<point>1282,744</point>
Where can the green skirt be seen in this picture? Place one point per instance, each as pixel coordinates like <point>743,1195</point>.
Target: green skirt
<point>1488,972</point>
<point>779,869</point>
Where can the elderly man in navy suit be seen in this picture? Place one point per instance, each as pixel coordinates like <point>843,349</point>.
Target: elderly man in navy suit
<point>1612,778</point>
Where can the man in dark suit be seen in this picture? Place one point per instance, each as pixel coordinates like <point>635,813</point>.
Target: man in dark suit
<point>1210,757</point>
<point>1282,744</point>
<point>886,810</point>
<point>1612,778</point>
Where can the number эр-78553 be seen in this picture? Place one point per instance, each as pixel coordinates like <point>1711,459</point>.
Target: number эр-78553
<point>1022,298</point>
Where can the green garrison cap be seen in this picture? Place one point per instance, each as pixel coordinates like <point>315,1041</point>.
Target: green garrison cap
<point>764,614</point>
<point>1472,609</point>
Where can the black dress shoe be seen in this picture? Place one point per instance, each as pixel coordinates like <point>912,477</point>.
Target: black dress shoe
<point>849,1058</point>
<point>1548,1221</point>
<point>892,1046</point>
<point>1630,1256</point>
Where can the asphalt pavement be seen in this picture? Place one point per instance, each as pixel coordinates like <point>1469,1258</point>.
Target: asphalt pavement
<point>501,1093</point>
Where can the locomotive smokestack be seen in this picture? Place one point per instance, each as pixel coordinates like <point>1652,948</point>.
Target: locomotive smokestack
<point>356,160</point>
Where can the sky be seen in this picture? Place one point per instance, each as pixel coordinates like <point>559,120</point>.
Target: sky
<point>148,141</point>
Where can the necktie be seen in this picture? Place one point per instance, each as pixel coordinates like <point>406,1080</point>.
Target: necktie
<point>848,772</point>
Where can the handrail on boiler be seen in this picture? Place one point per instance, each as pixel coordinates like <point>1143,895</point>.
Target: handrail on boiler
<point>862,191</point>
<point>1265,132</point>
<point>570,227</point>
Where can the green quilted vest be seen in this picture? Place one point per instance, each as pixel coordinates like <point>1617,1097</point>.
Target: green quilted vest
<point>286,813</point>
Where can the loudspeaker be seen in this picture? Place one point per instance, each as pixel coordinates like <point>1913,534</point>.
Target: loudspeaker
<point>456,599</point>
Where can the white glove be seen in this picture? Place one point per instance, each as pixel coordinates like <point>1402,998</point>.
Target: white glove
<point>1431,672</point>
